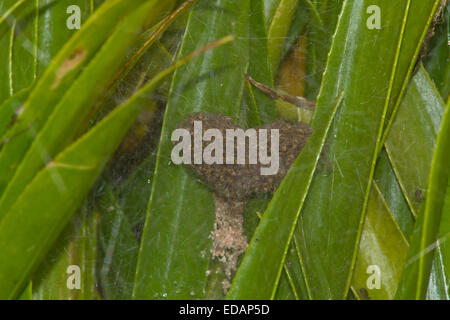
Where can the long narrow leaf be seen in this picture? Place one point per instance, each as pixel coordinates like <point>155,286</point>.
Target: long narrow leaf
<point>271,240</point>
<point>180,216</point>
<point>48,202</point>
<point>420,257</point>
<point>331,223</point>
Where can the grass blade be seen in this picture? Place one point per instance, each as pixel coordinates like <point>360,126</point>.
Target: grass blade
<point>271,240</point>
<point>68,116</point>
<point>333,215</point>
<point>421,110</point>
<point>54,83</point>
<point>60,187</point>
<point>425,238</point>
<point>180,215</point>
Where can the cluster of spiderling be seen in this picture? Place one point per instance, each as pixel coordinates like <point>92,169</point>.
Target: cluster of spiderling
<point>241,181</point>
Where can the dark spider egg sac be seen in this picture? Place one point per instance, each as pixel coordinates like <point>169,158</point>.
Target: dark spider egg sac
<point>241,181</point>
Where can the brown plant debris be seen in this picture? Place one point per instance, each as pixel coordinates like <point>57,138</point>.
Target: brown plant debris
<point>229,240</point>
<point>279,94</point>
<point>68,65</point>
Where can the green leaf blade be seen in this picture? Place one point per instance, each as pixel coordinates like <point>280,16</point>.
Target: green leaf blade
<point>181,210</point>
